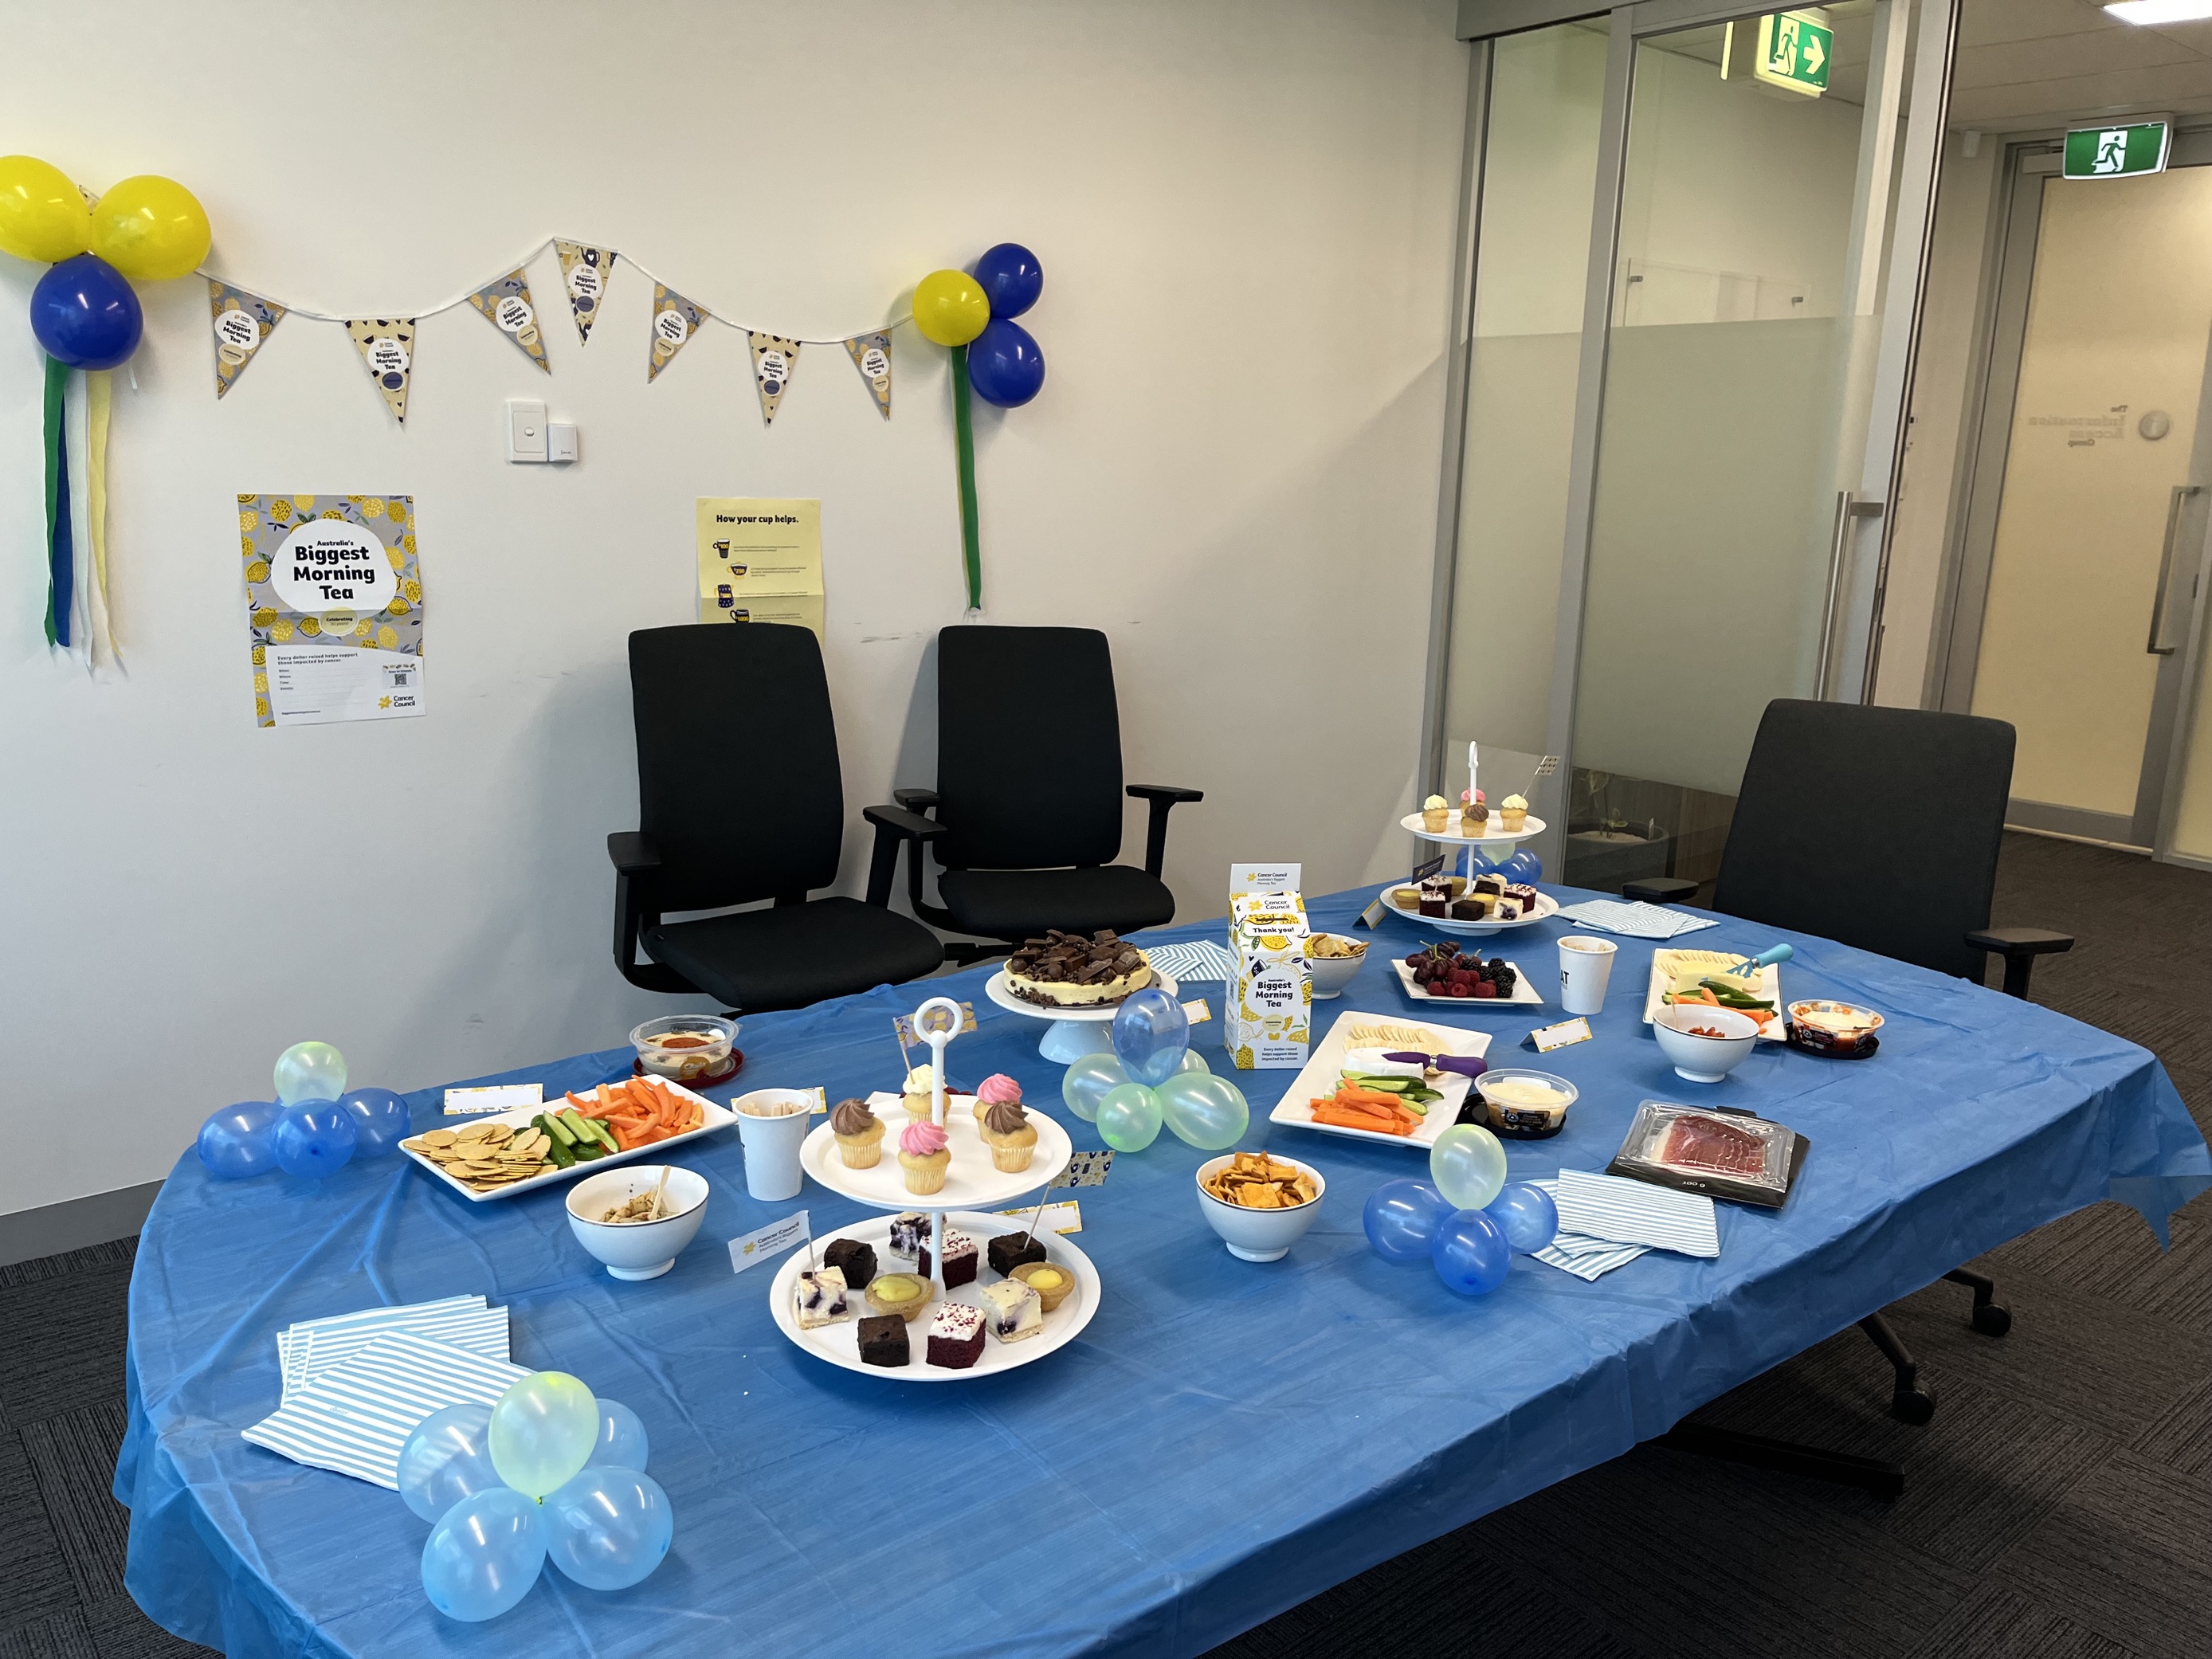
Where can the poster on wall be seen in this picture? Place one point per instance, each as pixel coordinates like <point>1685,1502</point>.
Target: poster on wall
<point>760,560</point>
<point>334,607</point>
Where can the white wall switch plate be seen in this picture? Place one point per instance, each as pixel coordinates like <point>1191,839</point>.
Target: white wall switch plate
<point>525,429</point>
<point>561,440</point>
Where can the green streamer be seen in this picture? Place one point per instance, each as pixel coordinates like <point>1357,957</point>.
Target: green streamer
<point>965,441</point>
<point>56,390</point>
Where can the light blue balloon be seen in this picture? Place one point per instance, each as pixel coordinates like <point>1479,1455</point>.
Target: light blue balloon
<point>1401,1219</point>
<point>445,1459</point>
<point>484,1555</point>
<point>1087,1083</point>
<point>1152,1034</point>
<point>1202,1109</point>
<point>315,1138</point>
<point>1526,1215</point>
<point>1129,1118</point>
<point>1470,1253</point>
<point>608,1529</point>
<point>309,1070</point>
<point>380,1121</point>
<point>622,1443</point>
<point>1468,1164</point>
<point>235,1143</point>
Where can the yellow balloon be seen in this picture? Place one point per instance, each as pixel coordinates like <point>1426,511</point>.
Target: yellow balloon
<point>42,217</point>
<point>948,307</point>
<point>150,228</point>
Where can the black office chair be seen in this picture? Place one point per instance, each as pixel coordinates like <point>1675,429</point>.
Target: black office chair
<point>740,799</point>
<point>1028,793</point>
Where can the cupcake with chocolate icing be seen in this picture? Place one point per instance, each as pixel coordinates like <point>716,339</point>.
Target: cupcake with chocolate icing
<point>859,1133</point>
<point>1012,1138</point>
<point>924,1156</point>
<point>996,1089</point>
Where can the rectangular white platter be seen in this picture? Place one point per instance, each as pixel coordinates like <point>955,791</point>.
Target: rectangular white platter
<point>1325,1065</point>
<point>1524,995</point>
<point>714,1117</point>
<point>1770,986</point>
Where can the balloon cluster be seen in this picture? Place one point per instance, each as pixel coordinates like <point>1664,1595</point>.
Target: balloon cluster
<point>1523,866</point>
<point>547,1472</point>
<point>953,309</point>
<point>146,230</point>
<point>1152,1078</point>
<point>1466,1219</point>
<point>314,1127</point>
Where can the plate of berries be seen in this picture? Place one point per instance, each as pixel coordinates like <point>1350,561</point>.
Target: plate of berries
<point>1445,973</point>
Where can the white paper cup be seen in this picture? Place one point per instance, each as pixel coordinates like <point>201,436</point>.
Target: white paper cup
<point>1585,968</point>
<point>772,1144</point>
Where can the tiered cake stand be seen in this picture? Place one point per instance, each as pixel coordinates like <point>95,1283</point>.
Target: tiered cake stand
<point>1074,1032</point>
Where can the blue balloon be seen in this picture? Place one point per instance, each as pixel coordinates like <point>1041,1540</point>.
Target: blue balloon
<point>315,1138</point>
<point>1401,1219</point>
<point>1011,278</point>
<point>234,1142</point>
<point>447,1457</point>
<point>1523,867</point>
<point>1005,365</point>
<point>85,314</point>
<point>622,1443</point>
<point>1470,1253</point>
<point>608,1529</point>
<point>1526,1214</point>
<point>484,1555</point>
<point>381,1121</point>
<point>1152,1034</point>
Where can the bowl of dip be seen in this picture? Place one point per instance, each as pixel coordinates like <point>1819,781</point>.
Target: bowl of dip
<point>1826,1027</point>
<point>684,1047</point>
<point>1524,1105</point>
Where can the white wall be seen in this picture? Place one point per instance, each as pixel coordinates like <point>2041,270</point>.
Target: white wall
<point>1244,213</point>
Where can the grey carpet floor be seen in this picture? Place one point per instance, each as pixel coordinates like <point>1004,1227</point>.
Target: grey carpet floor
<point>2059,1506</point>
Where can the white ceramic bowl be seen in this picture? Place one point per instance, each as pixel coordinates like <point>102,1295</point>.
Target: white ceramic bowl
<point>1704,1059</point>
<point>1332,974</point>
<point>637,1249</point>
<point>1259,1235</point>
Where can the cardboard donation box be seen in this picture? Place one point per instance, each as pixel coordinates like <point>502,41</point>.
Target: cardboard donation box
<point>1269,1020</point>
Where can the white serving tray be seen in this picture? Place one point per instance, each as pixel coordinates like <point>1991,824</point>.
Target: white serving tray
<point>999,992</point>
<point>1524,995</point>
<point>1547,908</point>
<point>1449,835</point>
<point>1325,1066</point>
<point>970,1182</point>
<point>714,1117</point>
<point>1770,987</point>
<point>840,1344</point>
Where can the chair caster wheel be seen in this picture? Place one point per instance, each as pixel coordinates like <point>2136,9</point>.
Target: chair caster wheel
<point>1991,1320</point>
<point>1913,1405</point>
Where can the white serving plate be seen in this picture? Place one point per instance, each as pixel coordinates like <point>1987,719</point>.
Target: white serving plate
<point>715,1117</point>
<point>999,992</point>
<point>840,1344</point>
<point>970,1182</point>
<point>1531,827</point>
<point>1547,908</point>
<point>1524,995</point>
<point>1325,1066</point>
<point>1770,987</point>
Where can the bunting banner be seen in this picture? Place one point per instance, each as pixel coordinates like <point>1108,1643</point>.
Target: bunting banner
<point>243,322</point>
<point>871,356</point>
<point>386,345</point>
<point>585,270</point>
<point>675,320</point>
<point>774,358</point>
<point>505,305</point>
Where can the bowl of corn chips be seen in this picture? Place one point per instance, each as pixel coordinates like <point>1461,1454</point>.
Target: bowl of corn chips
<point>1259,1204</point>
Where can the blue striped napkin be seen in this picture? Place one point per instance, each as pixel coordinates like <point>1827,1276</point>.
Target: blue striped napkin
<point>1196,958</point>
<point>315,1346</point>
<point>1638,1213</point>
<point>1586,1258</point>
<point>355,1418</point>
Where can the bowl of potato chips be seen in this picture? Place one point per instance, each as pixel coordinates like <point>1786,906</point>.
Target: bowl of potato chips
<point>1259,1204</point>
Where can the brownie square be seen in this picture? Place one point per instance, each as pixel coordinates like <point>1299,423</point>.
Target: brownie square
<point>883,1341</point>
<point>857,1260</point>
<point>1007,1252</point>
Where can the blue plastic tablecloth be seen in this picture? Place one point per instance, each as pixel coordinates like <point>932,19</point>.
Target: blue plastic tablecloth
<point>1224,1441</point>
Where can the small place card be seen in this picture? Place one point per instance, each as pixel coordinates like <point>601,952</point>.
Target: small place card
<point>750,1249</point>
<point>493,1097</point>
<point>1423,871</point>
<point>1063,1216</point>
<point>1196,1011</point>
<point>903,1023</point>
<point>1545,1038</point>
<point>1264,879</point>
<point>1373,914</point>
<point>1086,1169</point>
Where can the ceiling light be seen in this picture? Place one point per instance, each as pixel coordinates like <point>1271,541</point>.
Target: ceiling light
<point>2160,11</point>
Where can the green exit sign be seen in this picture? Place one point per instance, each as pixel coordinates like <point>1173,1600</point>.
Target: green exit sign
<point>1793,49</point>
<point>2118,149</point>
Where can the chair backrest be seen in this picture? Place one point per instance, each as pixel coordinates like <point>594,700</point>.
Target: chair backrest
<point>1878,827</point>
<point>1028,747</point>
<point>737,762</point>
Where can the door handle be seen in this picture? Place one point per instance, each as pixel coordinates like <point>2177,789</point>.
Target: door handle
<point>2181,493</point>
<point>1849,507</point>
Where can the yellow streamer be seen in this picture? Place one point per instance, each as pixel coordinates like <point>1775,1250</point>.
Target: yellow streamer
<point>99,389</point>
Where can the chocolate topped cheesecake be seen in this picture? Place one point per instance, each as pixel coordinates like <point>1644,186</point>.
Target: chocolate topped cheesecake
<point>1068,970</point>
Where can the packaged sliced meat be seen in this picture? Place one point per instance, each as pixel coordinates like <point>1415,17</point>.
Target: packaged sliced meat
<point>1726,1154</point>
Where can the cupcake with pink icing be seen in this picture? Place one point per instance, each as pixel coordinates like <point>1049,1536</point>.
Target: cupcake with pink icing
<point>996,1089</point>
<point>925,1155</point>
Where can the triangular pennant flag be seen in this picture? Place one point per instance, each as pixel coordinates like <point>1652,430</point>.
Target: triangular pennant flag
<point>386,344</point>
<point>507,303</point>
<point>774,360</point>
<point>871,356</point>
<point>585,268</point>
<point>675,320</point>
<point>242,322</point>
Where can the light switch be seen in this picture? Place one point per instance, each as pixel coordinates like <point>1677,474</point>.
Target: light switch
<point>561,440</point>
<point>525,429</point>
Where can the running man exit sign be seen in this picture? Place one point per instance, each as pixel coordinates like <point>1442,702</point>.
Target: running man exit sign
<point>2118,149</point>
<point>1793,49</point>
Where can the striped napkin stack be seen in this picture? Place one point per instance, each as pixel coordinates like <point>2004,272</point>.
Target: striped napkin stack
<point>1607,1222</point>
<point>356,1384</point>
<point>1636,920</point>
<point>1196,958</point>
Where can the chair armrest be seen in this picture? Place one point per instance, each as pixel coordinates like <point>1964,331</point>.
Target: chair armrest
<point>895,825</point>
<point>2019,946</point>
<point>637,907</point>
<point>916,800</point>
<point>633,850</point>
<point>1660,889</point>
<point>1162,798</point>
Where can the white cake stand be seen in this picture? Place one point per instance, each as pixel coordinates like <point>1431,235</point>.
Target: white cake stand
<point>1074,1032</point>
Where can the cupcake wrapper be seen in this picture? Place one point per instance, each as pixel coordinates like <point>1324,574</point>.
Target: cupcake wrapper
<point>861,1154</point>
<point>1010,1160</point>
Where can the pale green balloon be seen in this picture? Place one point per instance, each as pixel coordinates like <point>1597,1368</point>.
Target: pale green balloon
<point>310,1070</point>
<point>542,1433</point>
<point>1087,1081</point>
<point>1467,1165</point>
<point>1129,1118</point>
<point>1204,1110</point>
<point>1195,1062</point>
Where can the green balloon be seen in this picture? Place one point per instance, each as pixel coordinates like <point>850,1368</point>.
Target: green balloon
<point>542,1433</point>
<point>1467,1165</point>
<point>309,1070</point>
<point>1204,1110</point>
<point>1129,1117</point>
<point>1087,1082</point>
<point>1195,1062</point>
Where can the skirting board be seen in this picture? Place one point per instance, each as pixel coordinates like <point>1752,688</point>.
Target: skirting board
<point>75,1223</point>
